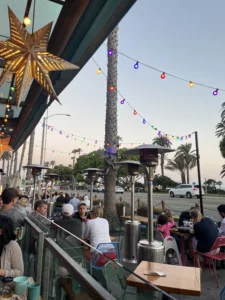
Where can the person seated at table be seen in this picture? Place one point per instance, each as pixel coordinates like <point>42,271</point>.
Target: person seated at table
<point>10,252</point>
<point>164,225</point>
<point>73,225</point>
<point>10,198</point>
<point>221,210</point>
<point>97,231</point>
<point>74,201</point>
<point>41,207</point>
<point>185,216</point>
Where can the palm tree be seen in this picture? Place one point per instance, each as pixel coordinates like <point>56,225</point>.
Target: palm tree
<point>52,163</point>
<point>164,142</point>
<point>189,157</point>
<point>177,164</point>
<point>220,129</point>
<point>111,135</point>
<point>75,151</point>
<point>11,164</point>
<point>22,156</point>
<point>47,164</point>
<point>70,166</point>
<point>7,156</point>
<point>30,155</point>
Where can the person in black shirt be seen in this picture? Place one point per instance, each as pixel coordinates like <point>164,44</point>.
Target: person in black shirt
<point>185,216</point>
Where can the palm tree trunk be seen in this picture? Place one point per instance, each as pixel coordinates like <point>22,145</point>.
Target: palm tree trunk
<point>22,156</point>
<point>162,164</point>
<point>188,178</point>
<point>11,164</point>
<point>15,163</point>
<point>3,164</point>
<point>111,130</point>
<point>7,173</point>
<point>30,155</point>
<point>183,179</point>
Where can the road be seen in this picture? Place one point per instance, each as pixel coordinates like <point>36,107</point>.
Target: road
<point>177,205</point>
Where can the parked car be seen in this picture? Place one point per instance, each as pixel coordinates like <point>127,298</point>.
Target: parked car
<point>119,190</point>
<point>100,188</point>
<point>186,190</point>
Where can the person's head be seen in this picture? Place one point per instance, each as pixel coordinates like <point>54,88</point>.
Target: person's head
<point>41,207</point>
<point>96,212</point>
<point>162,219</point>
<point>67,210</point>
<point>82,208</point>
<point>23,201</point>
<point>6,232</point>
<point>56,194</point>
<point>85,198</point>
<point>169,216</point>
<point>1,202</point>
<point>221,210</point>
<point>10,196</point>
<point>67,196</point>
<point>196,215</point>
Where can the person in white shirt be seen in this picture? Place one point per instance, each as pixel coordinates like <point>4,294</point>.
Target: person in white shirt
<point>221,210</point>
<point>96,231</point>
<point>87,201</point>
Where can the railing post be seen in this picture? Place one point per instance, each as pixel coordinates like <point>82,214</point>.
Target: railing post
<point>46,273</point>
<point>163,205</point>
<point>40,252</point>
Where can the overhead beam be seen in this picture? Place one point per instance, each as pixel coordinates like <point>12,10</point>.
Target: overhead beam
<point>12,102</point>
<point>58,2</point>
<point>27,10</point>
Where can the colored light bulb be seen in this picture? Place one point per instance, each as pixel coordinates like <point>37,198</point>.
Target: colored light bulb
<point>111,88</point>
<point>159,133</point>
<point>122,101</point>
<point>5,120</point>
<point>110,52</point>
<point>153,127</point>
<point>163,75</point>
<point>98,71</point>
<point>191,84</point>
<point>12,88</point>
<point>144,121</point>
<point>215,93</point>
<point>7,105</point>
<point>189,136</point>
<point>10,97</point>
<point>96,142</point>
<point>135,112</point>
<point>136,66</point>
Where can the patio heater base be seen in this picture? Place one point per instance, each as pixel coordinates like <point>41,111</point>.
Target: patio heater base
<point>150,251</point>
<point>132,235</point>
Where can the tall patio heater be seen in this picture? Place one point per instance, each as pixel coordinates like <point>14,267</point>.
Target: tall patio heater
<point>91,173</point>
<point>52,176</point>
<point>132,228</point>
<point>36,171</point>
<point>150,250</point>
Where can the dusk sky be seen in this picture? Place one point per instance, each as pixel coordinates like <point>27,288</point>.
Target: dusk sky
<point>186,39</point>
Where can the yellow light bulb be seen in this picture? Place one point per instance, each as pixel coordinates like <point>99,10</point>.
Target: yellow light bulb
<point>6,116</point>
<point>191,84</point>
<point>98,71</point>
<point>5,120</point>
<point>26,21</point>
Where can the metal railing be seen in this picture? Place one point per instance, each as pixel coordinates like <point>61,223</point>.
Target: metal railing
<point>45,252</point>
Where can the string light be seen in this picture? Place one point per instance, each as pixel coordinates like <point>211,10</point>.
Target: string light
<point>136,66</point>
<point>5,120</point>
<point>122,101</point>
<point>96,142</point>
<point>98,71</point>
<point>12,88</point>
<point>7,105</point>
<point>215,93</point>
<point>110,52</point>
<point>163,75</point>
<point>111,88</point>
<point>10,97</point>
<point>191,84</point>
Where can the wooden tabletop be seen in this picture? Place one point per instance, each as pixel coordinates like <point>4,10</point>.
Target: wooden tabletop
<point>175,231</point>
<point>179,280</point>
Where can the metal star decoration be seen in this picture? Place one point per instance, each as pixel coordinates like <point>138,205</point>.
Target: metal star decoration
<point>26,55</point>
<point>4,145</point>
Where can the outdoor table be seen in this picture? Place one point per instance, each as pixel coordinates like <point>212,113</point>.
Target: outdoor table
<point>179,280</point>
<point>175,231</point>
<point>143,220</point>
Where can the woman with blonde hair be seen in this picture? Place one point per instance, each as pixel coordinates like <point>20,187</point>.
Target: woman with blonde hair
<point>196,215</point>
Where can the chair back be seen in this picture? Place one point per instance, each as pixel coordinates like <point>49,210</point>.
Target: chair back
<point>159,236</point>
<point>170,243</point>
<point>110,247</point>
<point>219,242</point>
<point>222,294</point>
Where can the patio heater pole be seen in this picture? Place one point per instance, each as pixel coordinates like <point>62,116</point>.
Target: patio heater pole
<point>150,172</point>
<point>91,192</point>
<point>132,197</point>
<point>35,185</point>
<point>199,172</point>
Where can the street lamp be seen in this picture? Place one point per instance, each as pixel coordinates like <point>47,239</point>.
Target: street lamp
<point>149,249</point>
<point>132,228</point>
<point>36,171</point>
<point>44,135</point>
<point>91,173</point>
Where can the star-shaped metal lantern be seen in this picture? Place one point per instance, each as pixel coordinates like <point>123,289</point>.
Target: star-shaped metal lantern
<point>4,145</point>
<point>26,55</point>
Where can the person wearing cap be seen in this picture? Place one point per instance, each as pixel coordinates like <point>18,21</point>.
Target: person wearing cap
<point>73,225</point>
<point>221,210</point>
<point>10,198</point>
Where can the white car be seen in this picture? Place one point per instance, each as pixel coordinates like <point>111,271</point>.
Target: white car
<point>119,190</point>
<point>100,188</point>
<point>186,190</point>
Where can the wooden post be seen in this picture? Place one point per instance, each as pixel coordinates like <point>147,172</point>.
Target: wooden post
<point>139,202</point>
<point>197,206</point>
<point>121,199</point>
<point>163,205</point>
